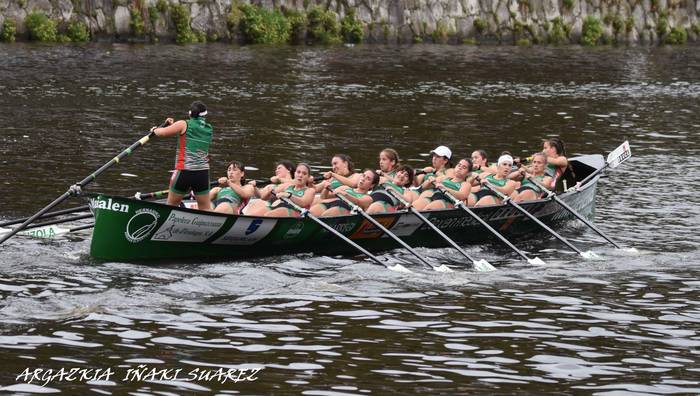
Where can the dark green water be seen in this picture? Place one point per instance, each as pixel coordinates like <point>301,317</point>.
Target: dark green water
<point>625,324</point>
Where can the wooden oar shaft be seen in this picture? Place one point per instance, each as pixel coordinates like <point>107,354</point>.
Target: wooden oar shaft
<point>59,221</point>
<point>47,215</point>
<point>35,216</point>
<point>459,204</point>
<point>333,231</point>
<point>75,188</point>
<point>385,230</point>
<point>430,224</point>
<point>573,212</point>
<point>532,217</point>
<point>89,179</point>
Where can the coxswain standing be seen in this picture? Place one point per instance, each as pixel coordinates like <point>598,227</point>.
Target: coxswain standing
<point>192,156</point>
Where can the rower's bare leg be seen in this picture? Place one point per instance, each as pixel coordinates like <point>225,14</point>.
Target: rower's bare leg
<point>203,202</point>
<point>488,200</point>
<point>421,203</point>
<point>174,199</point>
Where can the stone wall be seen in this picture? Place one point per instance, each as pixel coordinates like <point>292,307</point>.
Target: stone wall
<point>394,21</point>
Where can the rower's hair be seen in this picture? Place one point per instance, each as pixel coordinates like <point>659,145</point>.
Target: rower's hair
<point>540,154</point>
<point>558,145</point>
<point>346,158</point>
<point>409,171</point>
<point>483,155</point>
<point>237,165</point>
<point>375,176</point>
<point>470,164</point>
<point>196,108</point>
<point>393,155</point>
<point>287,164</point>
<point>304,164</point>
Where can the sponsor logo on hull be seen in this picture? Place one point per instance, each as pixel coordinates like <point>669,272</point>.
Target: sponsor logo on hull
<point>140,225</point>
<point>108,205</point>
<point>246,231</point>
<point>188,227</point>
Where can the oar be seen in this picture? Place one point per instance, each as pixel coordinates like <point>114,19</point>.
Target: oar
<point>532,217</point>
<point>306,213</point>
<point>479,265</point>
<point>355,208</point>
<point>621,154</point>
<point>553,196</point>
<point>47,215</point>
<point>75,189</point>
<point>461,205</point>
<point>49,231</point>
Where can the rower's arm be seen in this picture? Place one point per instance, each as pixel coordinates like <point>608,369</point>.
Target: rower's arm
<point>176,128</point>
<point>559,161</point>
<point>348,181</point>
<point>306,200</point>
<point>244,192</point>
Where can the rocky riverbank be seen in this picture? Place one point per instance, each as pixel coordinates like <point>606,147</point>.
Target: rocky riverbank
<point>520,22</point>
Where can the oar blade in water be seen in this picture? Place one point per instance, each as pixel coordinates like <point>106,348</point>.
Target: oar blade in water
<point>590,255</point>
<point>442,268</point>
<point>483,266</point>
<point>49,231</point>
<point>536,261</point>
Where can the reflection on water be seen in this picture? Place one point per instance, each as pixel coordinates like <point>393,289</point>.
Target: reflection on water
<point>625,324</point>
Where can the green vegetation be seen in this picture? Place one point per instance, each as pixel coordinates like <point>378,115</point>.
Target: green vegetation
<point>41,27</point>
<point>662,24</point>
<point>9,31</point>
<point>136,22</point>
<point>558,32</point>
<point>523,42</point>
<point>677,36</point>
<point>233,19</point>
<point>162,6</point>
<point>439,35</point>
<point>263,26</point>
<point>617,24</point>
<point>351,28</point>
<point>183,31</point>
<point>629,24</point>
<point>568,4</point>
<point>78,32</point>
<point>592,31</point>
<point>324,26</point>
<point>153,16</point>
<point>480,25</point>
<point>22,3</point>
<point>297,24</point>
<point>469,41</point>
<point>696,28</point>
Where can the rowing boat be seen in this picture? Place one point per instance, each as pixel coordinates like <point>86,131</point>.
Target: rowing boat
<point>128,229</point>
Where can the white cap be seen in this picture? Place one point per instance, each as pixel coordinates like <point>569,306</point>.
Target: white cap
<point>505,158</point>
<point>442,151</point>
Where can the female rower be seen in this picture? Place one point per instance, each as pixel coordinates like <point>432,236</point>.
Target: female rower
<point>481,163</point>
<point>383,201</point>
<point>283,174</point>
<point>557,163</point>
<point>233,195</point>
<point>358,195</point>
<point>459,186</point>
<point>529,191</point>
<point>388,164</point>
<point>341,174</point>
<point>442,167</point>
<point>498,181</point>
<point>298,191</point>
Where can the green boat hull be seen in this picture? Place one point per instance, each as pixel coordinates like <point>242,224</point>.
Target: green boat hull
<point>132,230</point>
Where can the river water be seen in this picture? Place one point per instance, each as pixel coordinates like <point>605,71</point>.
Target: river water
<point>623,324</point>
